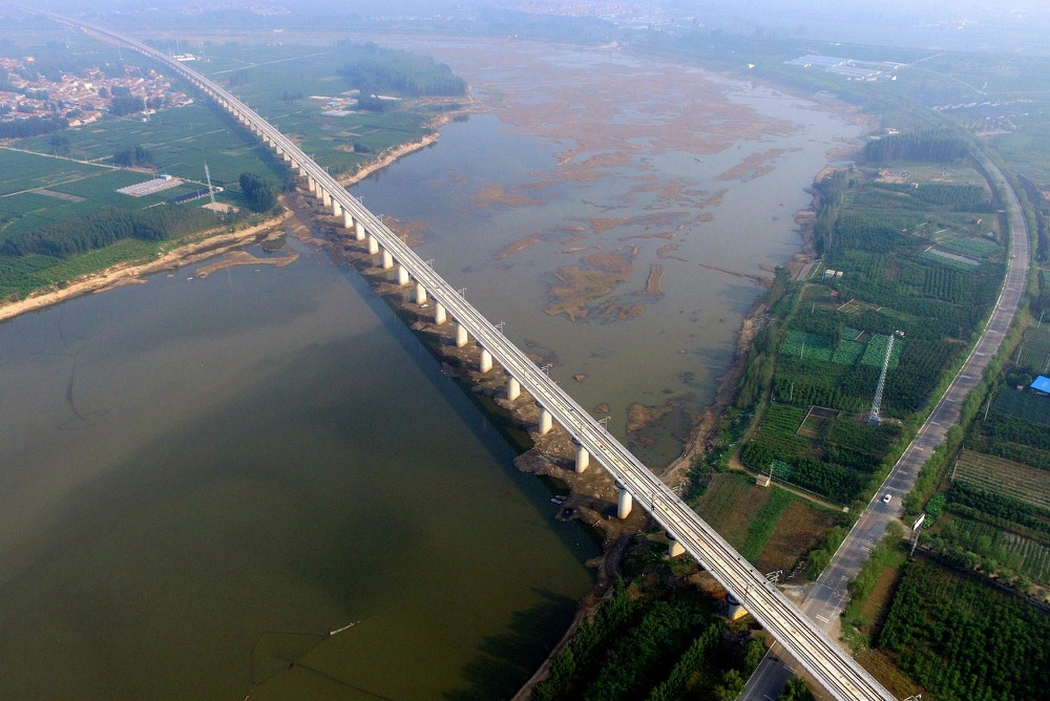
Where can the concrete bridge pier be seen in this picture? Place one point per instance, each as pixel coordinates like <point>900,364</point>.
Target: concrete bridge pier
<point>373,245</point>
<point>359,231</point>
<point>513,388</point>
<point>388,260</point>
<point>326,199</point>
<point>439,313</point>
<point>311,184</point>
<point>337,209</point>
<point>485,364</point>
<point>421,294</point>
<point>583,458</point>
<point>546,421</point>
<point>674,548</point>
<point>461,335</point>
<point>348,220</point>
<point>624,502</point>
<point>402,275</point>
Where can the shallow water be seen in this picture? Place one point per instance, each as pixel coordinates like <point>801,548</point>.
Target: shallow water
<point>598,152</point>
<point>201,479</point>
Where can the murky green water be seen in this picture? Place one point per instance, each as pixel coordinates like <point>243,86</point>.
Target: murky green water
<point>201,479</point>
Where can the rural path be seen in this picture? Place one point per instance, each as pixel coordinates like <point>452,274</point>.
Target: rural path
<point>828,597</point>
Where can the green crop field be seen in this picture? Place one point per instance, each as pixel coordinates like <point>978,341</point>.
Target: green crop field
<point>1005,477</point>
<point>1029,406</point>
<point>181,139</point>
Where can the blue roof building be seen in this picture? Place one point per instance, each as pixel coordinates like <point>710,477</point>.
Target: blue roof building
<point>1041,384</point>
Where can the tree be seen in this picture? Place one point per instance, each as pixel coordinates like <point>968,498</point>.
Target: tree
<point>261,194</point>
<point>796,690</point>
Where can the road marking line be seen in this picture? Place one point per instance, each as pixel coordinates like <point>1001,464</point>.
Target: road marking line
<point>822,619</point>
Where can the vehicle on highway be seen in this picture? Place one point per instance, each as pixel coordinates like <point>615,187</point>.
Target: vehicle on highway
<point>886,498</point>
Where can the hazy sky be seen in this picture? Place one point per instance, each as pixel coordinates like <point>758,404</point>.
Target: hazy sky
<point>1010,26</point>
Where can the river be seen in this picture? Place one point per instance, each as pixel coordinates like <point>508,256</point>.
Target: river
<point>591,172</point>
<point>201,478</point>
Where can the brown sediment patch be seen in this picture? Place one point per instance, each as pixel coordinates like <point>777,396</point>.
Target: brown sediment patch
<point>714,200</point>
<point>600,225</point>
<point>751,165</point>
<point>519,245</point>
<point>495,194</point>
<point>639,416</point>
<point>664,252</point>
<point>606,270</point>
<point>574,249</point>
<point>656,276</point>
<point>235,258</point>
<point>663,235</point>
<point>193,249</point>
<point>411,231</point>
<point>601,409</point>
<point>705,217</point>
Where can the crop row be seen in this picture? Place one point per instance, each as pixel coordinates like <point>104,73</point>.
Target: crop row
<point>962,639</point>
<point>997,475</point>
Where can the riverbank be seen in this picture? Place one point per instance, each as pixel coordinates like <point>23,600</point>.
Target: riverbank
<point>192,249</point>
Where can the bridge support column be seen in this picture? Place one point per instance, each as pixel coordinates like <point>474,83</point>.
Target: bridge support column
<point>421,294</point>
<point>280,151</point>
<point>513,388</point>
<point>311,184</point>
<point>461,335</point>
<point>439,313</point>
<point>388,260</point>
<point>373,245</point>
<point>337,209</point>
<point>674,548</point>
<point>402,275</point>
<point>486,360</point>
<point>326,199</point>
<point>583,458</point>
<point>624,502</point>
<point>359,231</point>
<point>348,220</point>
<point>286,157</point>
<point>546,421</point>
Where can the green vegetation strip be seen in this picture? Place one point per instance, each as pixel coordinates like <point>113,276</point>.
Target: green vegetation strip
<point>963,639</point>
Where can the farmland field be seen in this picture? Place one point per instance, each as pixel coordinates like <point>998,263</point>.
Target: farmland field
<point>181,139</point>
<point>1034,350</point>
<point>1025,405</point>
<point>730,504</point>
<point>1005,477</point>
<point>798,531</point>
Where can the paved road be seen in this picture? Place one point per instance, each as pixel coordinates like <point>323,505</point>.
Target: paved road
<point>816,652</point>
<point>828,597</point>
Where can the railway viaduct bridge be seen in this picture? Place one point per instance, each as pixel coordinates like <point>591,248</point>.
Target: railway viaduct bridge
<point>833,668</point>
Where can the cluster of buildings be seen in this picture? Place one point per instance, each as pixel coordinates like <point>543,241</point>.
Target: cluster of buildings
<point>80,99</point>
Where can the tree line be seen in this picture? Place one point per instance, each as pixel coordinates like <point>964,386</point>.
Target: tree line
<point>926,145</point>
<point>100,229</point>
<point>401,73</point>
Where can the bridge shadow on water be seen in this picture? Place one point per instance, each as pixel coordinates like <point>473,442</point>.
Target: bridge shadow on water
<point>508,660</point>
